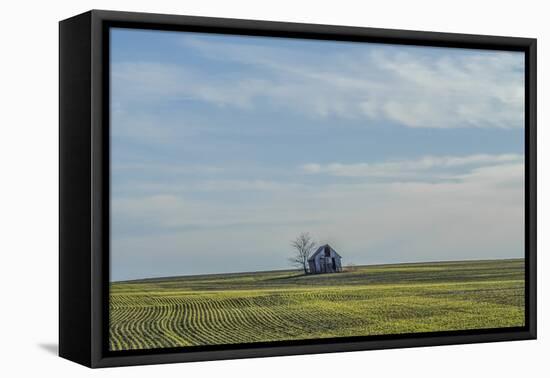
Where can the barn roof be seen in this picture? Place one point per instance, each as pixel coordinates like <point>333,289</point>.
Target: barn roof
<point>320,249</point>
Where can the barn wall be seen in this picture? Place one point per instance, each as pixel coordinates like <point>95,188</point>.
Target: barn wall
<point>339,264</point>
<point>315,265</point>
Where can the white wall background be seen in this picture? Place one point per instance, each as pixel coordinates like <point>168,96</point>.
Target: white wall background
<point>29,174</point>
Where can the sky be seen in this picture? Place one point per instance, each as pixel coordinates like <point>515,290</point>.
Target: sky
<point>225,148</point>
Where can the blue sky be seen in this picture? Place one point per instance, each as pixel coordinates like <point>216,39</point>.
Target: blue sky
<point>224,148</point>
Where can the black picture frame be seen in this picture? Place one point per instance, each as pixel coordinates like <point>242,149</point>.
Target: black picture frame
<point>84,186</point>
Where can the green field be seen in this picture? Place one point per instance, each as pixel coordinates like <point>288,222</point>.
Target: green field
<point>285,305</point>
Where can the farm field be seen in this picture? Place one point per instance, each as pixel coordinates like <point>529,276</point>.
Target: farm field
<point>286,305</point>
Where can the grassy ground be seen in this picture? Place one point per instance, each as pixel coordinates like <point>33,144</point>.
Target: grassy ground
<point>284,305</point>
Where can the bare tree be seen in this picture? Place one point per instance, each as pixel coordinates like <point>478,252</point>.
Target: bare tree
<point>303,246</point>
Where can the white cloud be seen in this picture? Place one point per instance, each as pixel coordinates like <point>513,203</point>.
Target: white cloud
<point>416,168</point>
<point>478,214</point>
<point>414,87</point>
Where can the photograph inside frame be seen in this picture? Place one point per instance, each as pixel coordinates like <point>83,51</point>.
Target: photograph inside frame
<point>275,189</point>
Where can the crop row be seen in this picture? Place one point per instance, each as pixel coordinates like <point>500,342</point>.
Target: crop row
<point>149,319</point>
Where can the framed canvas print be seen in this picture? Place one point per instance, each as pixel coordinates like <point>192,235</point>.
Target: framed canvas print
<point>234,188</point>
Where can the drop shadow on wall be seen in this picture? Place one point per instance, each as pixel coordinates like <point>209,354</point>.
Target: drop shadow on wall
<point>51,348</point>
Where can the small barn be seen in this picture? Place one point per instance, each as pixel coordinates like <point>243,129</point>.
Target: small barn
<point>325,260</point>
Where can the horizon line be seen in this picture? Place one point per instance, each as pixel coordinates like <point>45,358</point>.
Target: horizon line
<point>296,269</point>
